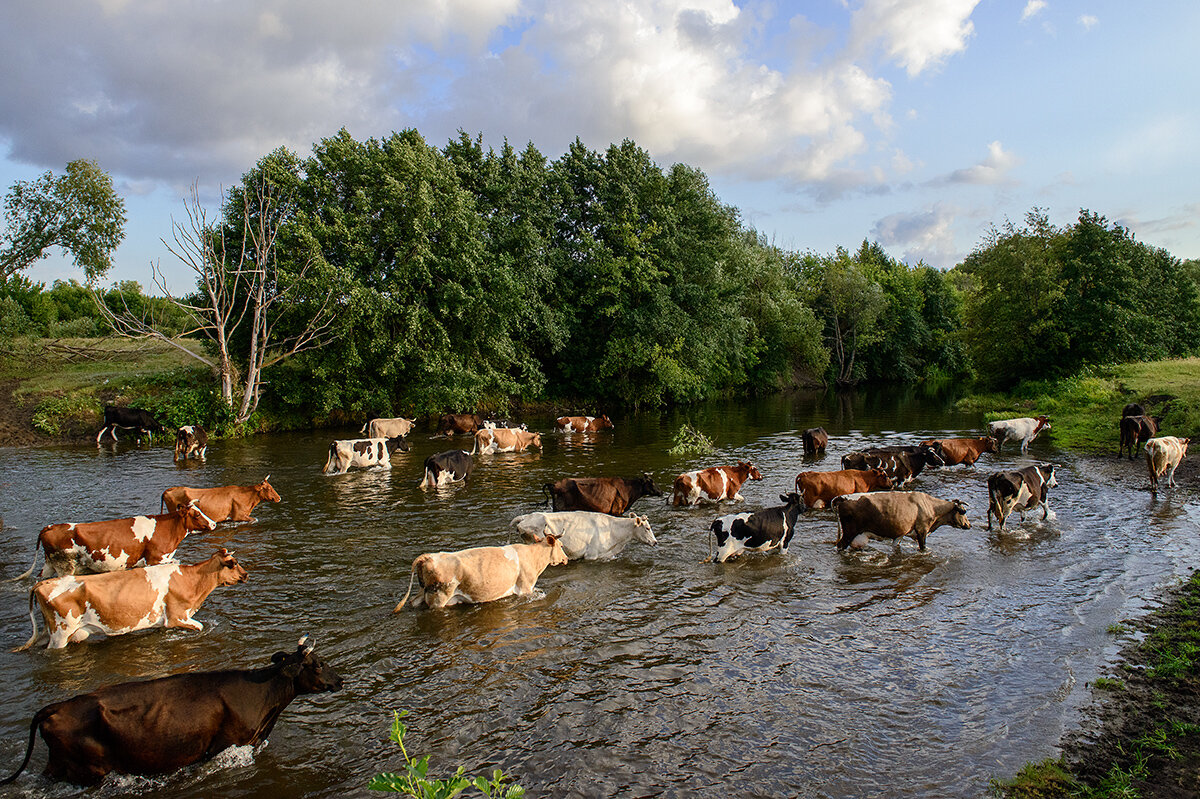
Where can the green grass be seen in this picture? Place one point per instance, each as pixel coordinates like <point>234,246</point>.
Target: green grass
<point>63,366</point>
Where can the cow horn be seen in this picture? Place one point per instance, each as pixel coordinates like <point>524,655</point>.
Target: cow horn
<point>265,479</point>
<point>304,644</point>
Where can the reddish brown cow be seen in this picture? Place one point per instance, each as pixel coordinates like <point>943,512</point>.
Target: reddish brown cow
<point>962,450</point>
<point>582,424</point>
<point>116,544</point>
<point>450,424</point>
<point>611,495</point>
<point>224,504</point>
<point>714,484</point>
<point>819,488</point>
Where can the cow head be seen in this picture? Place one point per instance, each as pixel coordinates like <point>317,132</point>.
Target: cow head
<point>646,484</point>
<point>932,453</point>
<point>1048,470</point>
<point>266,493</point>
<point>558,557</point>
<point>958,515</point>
<point>988,444</point>
<point>604,423</point>
<point>879,479</point>
<point>642,531</point>
<point>536,441</point>
<point>792,498</point>
<point>311,674</point>
<point>229,571</point>
<point>751,470</point>
<point>1042,422</point>
<point>194,518</point>
<point>396,443</point>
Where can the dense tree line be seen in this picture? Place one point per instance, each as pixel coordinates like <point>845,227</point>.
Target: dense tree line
<point>68,309</point>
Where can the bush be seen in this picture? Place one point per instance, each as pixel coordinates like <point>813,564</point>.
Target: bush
<point>55,415</point>
<point>13,319</point>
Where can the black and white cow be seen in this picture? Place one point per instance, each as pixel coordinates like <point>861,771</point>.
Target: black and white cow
<point>190,442</point>
<point>902,463</point>
<point>760,531</point>
<point>128,419</point>
<point>1020,490</point>
<point>362,452</point>
<point>447,467</point>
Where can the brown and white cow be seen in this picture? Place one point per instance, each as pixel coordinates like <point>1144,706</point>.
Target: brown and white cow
<point>611,495</point>
<point>582,424</point>
<point>114,603</point>
<point>1024,429</point>
<point>1020,490</point>
<point>225,503</point>
<point>713,484</point>
<point>815,440</point>
<point>481,574</point>
<point>387,428</point>
<point>819,488</point>
<point>1163,456</point>
<point>157,726</point>
<point>190,442</point>
<point>362,452</point>
<point>961,450</point>
<point>583,534</point>
<point>504,439</point>
<point>893,515</point>
<point>450,424</point>
<point>1136,431</point>
<point>117,544</point>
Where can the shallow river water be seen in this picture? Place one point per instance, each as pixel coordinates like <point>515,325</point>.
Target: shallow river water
<point>881,673</point>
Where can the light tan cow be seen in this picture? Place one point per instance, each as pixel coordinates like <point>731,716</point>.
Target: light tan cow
<point>713,484</point>
<point>481,574</point>
<point>504,439</point>
<point>224,504</point>
<point>115,603</point>
<point>1163,455</point>
<point>387,428</point>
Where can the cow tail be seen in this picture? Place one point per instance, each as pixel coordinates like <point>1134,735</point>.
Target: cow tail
<point>31,567</point>
<point>38,718</point>
<point>474,446</point>
<point>32,638</point>
<point>411,577</point>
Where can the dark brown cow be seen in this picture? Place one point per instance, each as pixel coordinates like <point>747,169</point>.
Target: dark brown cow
<point>1133,409</point>
<point>819,488</point>
<point>582,424</point>
<point>902,463</point>
<point>223,504</point>
<point>158,726</point>
<point>1136,431</point>
<point>962,450</point>
<point>895,515</point>
<point>611,495</point>
<point>714,484</point>
<point>116,544</point>
<point>450,424</point>
<point>815,440</point>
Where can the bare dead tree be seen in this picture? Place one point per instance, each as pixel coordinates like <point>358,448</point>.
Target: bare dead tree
<point>231,288</point>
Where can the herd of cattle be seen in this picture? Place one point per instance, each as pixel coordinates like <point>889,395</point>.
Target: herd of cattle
<point>117,576</point>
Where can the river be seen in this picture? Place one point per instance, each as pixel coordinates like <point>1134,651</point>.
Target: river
<point>889,672</point>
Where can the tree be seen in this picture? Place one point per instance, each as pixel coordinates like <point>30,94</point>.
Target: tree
<point>852,303</point>
<point>78,211</point>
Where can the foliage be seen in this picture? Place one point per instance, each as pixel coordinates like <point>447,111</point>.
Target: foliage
<point>414,780</point>
<point>690,441</point>
<point>1043,780</point>
<point>54,415</point>
<point>78,211</point>
<point>68,309</point>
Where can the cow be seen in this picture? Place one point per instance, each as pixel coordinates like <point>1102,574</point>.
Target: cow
<point>116,544</point>
<point>1133,409</point>
<point>902,463</point>
<point>481,574</point>
<point>450,424</point>
<point>1024,429</point>
<point>1136,431</point>
<point>815,440</point>
<point>128,419</point>
<point>190,441</point>
<point>1163,455</point>
<point>504,439</point>
<point>895,515</point>
<point>387,428</point>
<point>582,424</point>
<point>223,504</point>
<point>761,531</point>
<point>819,488</point>
<point>585,535</point>
<point>115,603</point>
<point>448,467</point>
<point>363,452</point>
<point>1020,490</point>
<point>954,451</point>
<point>714,484</point>
<point>157,726</point>
<point>492,424</point>
<point>611,495</point>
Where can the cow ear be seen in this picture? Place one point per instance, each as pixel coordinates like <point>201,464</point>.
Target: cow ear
<point>551,539</point>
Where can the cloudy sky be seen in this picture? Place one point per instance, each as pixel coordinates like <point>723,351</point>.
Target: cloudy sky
<point>914,123</point>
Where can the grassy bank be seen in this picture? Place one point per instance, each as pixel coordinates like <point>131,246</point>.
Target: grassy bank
<point>1085,410</point>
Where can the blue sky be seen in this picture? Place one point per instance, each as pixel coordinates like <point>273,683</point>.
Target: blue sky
<point>914,123</point>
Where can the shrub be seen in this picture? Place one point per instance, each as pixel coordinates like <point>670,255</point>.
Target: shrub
<point>54,415</point>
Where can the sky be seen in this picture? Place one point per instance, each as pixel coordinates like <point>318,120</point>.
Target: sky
<point>917,124</point>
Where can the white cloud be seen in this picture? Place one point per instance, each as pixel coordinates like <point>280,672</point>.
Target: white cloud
<point>1088,21</point>
<point>991,170</point>
<point>917,34</point>
<point>1032,8</point>
<point>925,235</point>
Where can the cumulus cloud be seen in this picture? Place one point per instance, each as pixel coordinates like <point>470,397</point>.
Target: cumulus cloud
<point>917,34</point>
<point>1032,9</point>
<point>1088,21</point>
<point>992,170</point>
<point>926,235</point>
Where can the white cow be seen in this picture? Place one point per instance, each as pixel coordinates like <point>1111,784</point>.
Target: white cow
<point>1163,455</point>
<point>585,535</point>
<point>387,428</point>
<point>362,452</point>
<point>1024,429</point>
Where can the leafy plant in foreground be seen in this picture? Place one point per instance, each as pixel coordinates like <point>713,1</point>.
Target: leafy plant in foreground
<point>414,780</point>
<point>690,441</point>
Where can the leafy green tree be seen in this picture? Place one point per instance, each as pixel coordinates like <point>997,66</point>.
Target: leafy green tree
<point>852,303</point>
<point>78,211</point>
